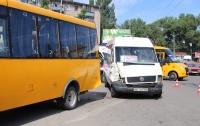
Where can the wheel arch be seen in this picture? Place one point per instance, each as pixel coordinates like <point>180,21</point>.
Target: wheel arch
<point>72,82</point>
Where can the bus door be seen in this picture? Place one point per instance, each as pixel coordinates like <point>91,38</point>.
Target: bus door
<point>160,56</point>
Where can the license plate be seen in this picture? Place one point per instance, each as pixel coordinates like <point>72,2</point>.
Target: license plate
<point>194,72</point>
<point>140,89</point>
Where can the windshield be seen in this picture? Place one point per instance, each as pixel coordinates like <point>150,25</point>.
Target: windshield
<point>171,55</point>
<point>136,55</point>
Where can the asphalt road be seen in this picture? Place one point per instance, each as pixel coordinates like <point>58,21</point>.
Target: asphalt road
<point>176,107</point>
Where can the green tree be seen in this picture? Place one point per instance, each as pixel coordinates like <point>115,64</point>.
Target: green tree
<point>108,19</point>
<point>138,27</point>
<point>45,3</point>
<point>82,14</point>
<point>91,2</point>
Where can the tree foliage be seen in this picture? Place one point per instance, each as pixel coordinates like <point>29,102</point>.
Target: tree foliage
<point>82,14</point>
<point>108,19</point>
<point>165,31</point>
<point>45,3</point>
<point>91,2</point>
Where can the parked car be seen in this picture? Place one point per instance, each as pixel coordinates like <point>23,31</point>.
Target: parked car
<point>193,67</point>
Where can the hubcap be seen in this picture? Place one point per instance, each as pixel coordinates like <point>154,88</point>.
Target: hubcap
<point>71,98</point>
<point>172,76</point>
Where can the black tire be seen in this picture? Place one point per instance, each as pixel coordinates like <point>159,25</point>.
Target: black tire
<point>172,76</point>
<point>102,78</point>
<point>157,95</point>
<point>70,100</point>
<point>106,82</point>
<point>114,94</point>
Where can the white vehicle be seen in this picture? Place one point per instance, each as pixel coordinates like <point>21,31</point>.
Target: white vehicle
<point>187,58</point>
<point>133,67</point>
<point>104,52</point>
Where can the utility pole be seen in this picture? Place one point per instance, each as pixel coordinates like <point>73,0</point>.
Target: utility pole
<point>174,43</point>
<point>174,47</point>
<point>61,6</point>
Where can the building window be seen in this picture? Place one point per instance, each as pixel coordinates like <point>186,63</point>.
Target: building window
<point>76,8</point>
<point>68,7</point>
<point>88,8</point>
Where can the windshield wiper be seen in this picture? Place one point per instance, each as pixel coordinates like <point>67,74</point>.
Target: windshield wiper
<point>128,63</point>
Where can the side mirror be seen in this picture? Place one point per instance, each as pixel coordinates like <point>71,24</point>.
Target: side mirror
<point>167,60</point>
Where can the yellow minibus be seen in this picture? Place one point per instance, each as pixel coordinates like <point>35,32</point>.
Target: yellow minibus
<point>171,66</point>
<point>45,55</point>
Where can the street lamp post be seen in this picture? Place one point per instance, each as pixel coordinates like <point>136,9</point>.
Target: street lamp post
<point>174,47</point>
<point>191,48</point>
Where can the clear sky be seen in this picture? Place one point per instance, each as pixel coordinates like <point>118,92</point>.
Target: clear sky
<point>151,10</point>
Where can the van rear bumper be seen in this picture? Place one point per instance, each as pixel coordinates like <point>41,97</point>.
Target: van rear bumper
<point>127,88</point>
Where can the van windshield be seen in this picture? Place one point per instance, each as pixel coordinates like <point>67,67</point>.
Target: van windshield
<point>135,55</point>
<point>172,56</point>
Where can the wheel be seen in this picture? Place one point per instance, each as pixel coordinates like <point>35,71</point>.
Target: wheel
<point>102,77</point>
<point>70,100</point>
<point>172,76</point>
<point>157,95</point>
<point>114,94</point>
<point>105,81</point>
<point>181,78</point>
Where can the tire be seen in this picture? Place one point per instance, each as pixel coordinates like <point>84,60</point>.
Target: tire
<point>172,76</point>
<point>70,100</point>
<point>114,94</point>
<point>105,82</point>
<point>102,78</point>
<point>157,95</point>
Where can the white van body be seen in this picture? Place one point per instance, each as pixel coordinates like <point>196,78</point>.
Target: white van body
<point>103,52</point>
<point>132,67</point>
<point>187,58</point>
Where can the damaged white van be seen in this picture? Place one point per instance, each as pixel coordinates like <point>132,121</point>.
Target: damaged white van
<point>132,67</point>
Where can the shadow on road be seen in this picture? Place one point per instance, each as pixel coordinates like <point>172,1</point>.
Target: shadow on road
<point>167,78</point>
<point>30,113</point>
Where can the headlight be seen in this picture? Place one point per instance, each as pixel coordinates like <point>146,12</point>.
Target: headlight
<point>159,81</point>
<point>182,67</point>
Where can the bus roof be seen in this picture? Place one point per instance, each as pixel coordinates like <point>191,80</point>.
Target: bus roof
<point>41,11</point>
<point>160,47</point>
<point>130,42</point>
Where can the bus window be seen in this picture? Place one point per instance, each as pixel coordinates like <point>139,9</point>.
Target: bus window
<point>48,34</point>
<point>82,41</point>
<point>2,11</point>
<point>23,34</point>
<point>68,42</point>
<point>4,45</point>
<point>93,43</point>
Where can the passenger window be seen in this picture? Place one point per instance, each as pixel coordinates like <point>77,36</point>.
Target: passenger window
<point>93,43</point>
<point>2,10</point>
<point>67,38</point>
<point>48,37</point>
<point>23,34</point>
<point>82,41</point>
<point>4,42</point>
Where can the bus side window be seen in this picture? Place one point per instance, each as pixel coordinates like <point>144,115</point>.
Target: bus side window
<point>67,38</point>
<point>82,36</point>
<point>93,43</point>
<point>48,37</point>
<point>22,33</point>
<point>4,45</point>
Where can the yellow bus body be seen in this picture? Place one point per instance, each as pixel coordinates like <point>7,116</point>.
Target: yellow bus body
<point>28,81</point>
<point>176,67</point>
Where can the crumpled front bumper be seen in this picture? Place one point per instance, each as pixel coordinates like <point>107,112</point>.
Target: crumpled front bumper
<point>127,88</point>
